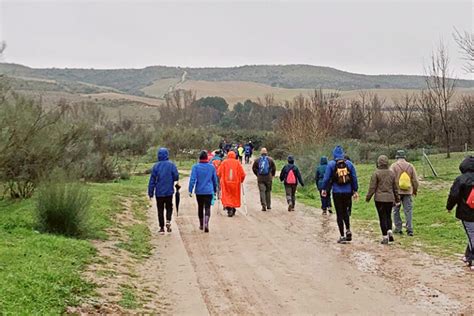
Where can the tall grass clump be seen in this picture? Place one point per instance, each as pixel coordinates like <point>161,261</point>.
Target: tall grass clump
<point>63,208</point>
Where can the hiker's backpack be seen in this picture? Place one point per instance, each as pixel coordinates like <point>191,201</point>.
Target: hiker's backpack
<point>404,183</point>
<point>290,177</point>
<point>341,172</point>
<point>263,166</point>
<point>247,150</point>
<point>470,199</point>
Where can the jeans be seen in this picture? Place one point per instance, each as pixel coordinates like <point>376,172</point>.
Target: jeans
<point>407,202</point>
<point>265,189</point>
<point>469,227</point>
<point>290,190</point>
<point>163,202</point>
<point>325,200</point>
<point>342,203</point>
<point>247,159</point>
<point>384,209</point>
<point>204,207</point>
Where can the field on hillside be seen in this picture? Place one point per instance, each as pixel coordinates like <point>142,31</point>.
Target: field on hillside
<point>239,91</point>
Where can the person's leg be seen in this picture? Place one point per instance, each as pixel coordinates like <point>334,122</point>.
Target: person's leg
<point>340,206</point>
<point>408,210</point>
<point>288,196</point>
<point>293,196</point>
<point>200,202</point>
<point>469,228</point>
<point>268,193</point>
<point>262,190</point>
<point>207,215</point>
<point>347,215</point>
<point>169,211</point>
<point>396,217</point>
<point>382,220</point>
<point>160,205</point>
<point>323,201</point>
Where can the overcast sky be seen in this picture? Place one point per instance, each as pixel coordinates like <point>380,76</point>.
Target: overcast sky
<point>372,37</point>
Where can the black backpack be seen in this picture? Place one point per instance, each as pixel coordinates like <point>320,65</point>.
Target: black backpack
<point>342,174</point>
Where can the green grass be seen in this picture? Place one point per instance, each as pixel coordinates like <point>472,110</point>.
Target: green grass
<point>128,300</point>
<point>436,231</point>
<point>41,273</point>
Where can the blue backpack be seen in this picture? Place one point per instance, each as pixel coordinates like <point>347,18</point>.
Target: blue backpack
<point>263,166</point>
<point>247,149</point>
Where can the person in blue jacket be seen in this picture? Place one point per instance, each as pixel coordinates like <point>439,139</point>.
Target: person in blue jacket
<point>341,176</point>
<point>203,183</point>
<point>161,185</point>
<point>320,171</point>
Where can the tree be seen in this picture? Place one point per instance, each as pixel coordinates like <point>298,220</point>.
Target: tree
<point>465,42</point>
<point>218,103</point>
<point>404,107</point>
<point>440,89</point>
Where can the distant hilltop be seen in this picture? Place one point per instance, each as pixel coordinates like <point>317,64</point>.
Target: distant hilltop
<point>136,81</point>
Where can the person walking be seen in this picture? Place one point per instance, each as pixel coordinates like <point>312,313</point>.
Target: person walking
<point>231,175</point>
<point>240,151</point>
<point>248,153</point>
<point>462,195</point>
<point>290,176</point>
<point>342,177</point>
<point>203,182</point>
<point>216,162</point>
<point>265,169</point>
<point>161,185</point>
<point>407,187</point>
<point>320,171</point>
<point>384,188</point>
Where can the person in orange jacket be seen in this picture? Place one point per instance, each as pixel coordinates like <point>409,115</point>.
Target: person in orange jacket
<point>231,176</point>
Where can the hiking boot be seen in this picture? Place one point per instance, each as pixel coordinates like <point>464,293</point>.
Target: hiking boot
<point>325,212</point>
<point>229,213</point>
<point>396,231</point>
<point>162,231</point>
<point>410,234</point>
<point>206,229</point>
<point>206,224</point>
<point>348,235</point>
<point>264,209</point>
<point>201,227</point>
<point>329,210</point>
<point>269,208</point>
<point>390,236</point>
<point>234,210</point>
<point>384,240</point>
<point>290,208</point>
<point>342,240</point>
<point>168,227</point>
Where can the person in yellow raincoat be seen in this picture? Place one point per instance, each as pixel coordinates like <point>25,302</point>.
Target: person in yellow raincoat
<point>231,176</point>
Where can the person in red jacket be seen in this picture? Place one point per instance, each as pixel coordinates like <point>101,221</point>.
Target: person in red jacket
<point>231,176</point>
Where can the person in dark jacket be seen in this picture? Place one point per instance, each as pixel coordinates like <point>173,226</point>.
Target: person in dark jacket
<point>290,176</point>
<point>265,169</point>
<point>342,177</point>
<point>384,187</point>
<point>161,185</point>
<point>203,182</point>
<point>320,171</point>
<point>458,195</point>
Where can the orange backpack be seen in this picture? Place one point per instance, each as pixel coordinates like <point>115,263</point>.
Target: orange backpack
<point>470,199</point>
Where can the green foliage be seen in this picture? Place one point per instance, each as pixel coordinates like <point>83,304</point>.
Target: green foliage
<point>217,103</point>
<point>63,208</point>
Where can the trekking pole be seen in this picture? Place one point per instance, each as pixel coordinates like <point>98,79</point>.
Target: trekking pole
<point>245,200</point>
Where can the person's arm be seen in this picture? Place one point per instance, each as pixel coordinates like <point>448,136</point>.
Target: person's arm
<point>354,182</point>
<point>316,178</point>
<point>255,166</point>
<point>372,187</point>
<point>214,179</point>
<point>192,180</point>
<point>152,183</point>
<point>414,181</point>
<point>327,176</point>
<point>453,194</point>
<point>300,178</point>
<point>273,167</point>
<point>395,189</point>
<point>283,174</point>
<point>175,173</point>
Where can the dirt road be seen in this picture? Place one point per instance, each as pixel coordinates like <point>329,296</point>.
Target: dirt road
<point>281,263</point>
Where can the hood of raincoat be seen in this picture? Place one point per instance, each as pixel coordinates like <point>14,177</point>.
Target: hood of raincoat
<point>323,160</point>
<point>338,153</point>
<point>291,160</point>
<point>163,154</point>
<point>231,155</point>
<point>467,165</point>
<point>382,162</point>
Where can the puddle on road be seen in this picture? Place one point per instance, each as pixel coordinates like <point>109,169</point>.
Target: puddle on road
<point>364,261</point>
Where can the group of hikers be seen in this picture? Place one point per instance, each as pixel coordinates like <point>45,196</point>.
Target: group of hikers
<point>391,186</point>
<point>242,152</point>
